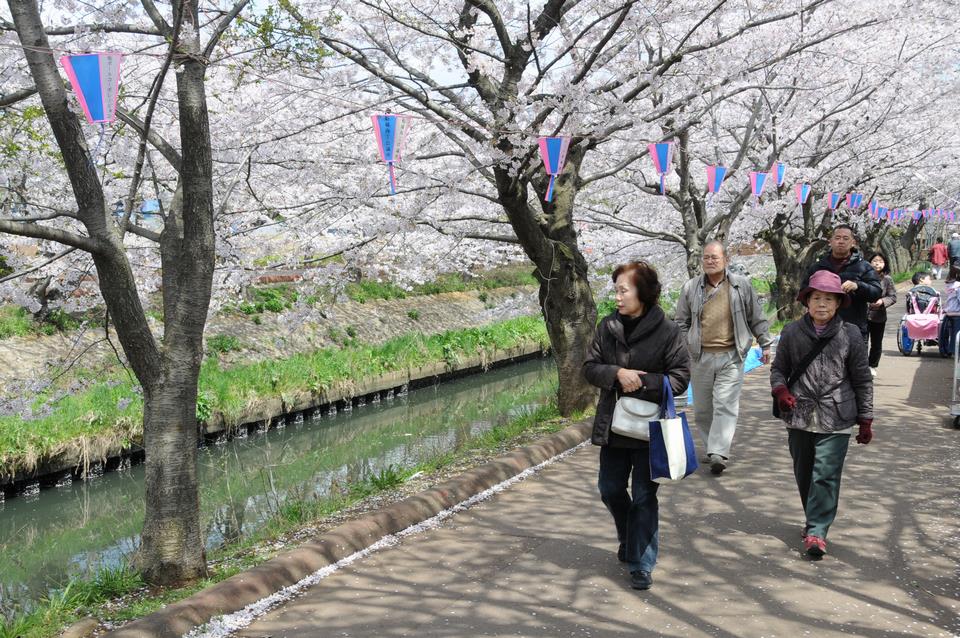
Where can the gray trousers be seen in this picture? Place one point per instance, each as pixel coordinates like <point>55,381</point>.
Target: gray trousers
<point>717,378</point>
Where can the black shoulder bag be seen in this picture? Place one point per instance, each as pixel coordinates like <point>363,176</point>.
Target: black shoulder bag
<point>798,372</point>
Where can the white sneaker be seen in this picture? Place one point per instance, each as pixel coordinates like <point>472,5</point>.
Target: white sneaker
<point>873,372</point>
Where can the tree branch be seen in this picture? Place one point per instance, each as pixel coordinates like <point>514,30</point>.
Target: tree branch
<point>163,146</point>
<point>59,255</point>
<point>156,17</point>
<point>17,96</point>
<point>53,234</point>
<point>100,27</point>
<point>491,11</point>
<point>222,27</point>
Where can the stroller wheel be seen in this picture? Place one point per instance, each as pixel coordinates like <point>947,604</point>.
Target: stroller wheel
<point>904,342</point>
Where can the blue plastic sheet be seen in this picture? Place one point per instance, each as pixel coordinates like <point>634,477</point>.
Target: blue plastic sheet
<point>753,359</point>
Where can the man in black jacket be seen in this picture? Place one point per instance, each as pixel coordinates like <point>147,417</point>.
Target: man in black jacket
<point>860,280</point>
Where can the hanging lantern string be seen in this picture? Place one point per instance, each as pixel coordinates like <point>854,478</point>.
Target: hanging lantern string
<point>54,51</point>
<point>947,198</point>
<point>96,150</point>
<point>461,124</point>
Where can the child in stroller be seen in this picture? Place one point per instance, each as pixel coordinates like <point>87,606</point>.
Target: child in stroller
<point>922,291</point>
<point>920,326</point>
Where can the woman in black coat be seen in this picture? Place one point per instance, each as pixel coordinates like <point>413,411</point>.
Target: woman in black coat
<point>633,350</point>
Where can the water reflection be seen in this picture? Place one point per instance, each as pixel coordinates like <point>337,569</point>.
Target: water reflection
<point>78,527</point>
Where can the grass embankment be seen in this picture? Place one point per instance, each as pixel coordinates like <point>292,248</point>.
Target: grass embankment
<point>117,595</point>
<point>109,411</point>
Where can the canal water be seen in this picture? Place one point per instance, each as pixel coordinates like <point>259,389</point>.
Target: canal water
<point>74,529</point>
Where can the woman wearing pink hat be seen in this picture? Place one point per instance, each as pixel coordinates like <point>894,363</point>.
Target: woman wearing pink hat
<point>822,386</point>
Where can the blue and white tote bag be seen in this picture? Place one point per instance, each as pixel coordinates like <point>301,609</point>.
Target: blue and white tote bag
<point>672,454</point>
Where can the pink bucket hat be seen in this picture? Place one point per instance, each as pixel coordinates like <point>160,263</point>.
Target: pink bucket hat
<point>824,281</point>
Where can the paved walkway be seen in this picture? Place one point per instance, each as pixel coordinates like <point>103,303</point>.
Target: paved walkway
<point>539,559</point>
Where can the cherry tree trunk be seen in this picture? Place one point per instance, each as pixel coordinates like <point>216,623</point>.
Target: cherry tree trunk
<point>570,313</point>
<point>566,300</point>
<point>172,549</point>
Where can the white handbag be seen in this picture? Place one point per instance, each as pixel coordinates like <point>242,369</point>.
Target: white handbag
<point>632,417</point>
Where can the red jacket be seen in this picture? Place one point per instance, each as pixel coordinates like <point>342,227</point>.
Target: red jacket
<point>938,254</point>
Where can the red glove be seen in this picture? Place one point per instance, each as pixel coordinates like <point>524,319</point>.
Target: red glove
<point>785,401</point>
<point>865,435</point>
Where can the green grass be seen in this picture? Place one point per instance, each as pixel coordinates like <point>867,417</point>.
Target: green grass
<point>18,322</point>
<point>223,343</point>
<point>110,411</point>
<point>82,598</point>
<point>267,298</point>
<point>763,285</point>
<point>76,600</point>
<point>366,290</point>
<point>899,277</point>
<point>15,322</point>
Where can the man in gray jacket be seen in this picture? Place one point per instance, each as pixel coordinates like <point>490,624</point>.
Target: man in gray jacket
<point>720,314</point>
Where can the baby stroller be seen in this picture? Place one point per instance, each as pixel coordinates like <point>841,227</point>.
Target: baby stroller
<point>918,327</point>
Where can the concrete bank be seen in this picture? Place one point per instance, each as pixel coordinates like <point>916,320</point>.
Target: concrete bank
<point>82,461</point>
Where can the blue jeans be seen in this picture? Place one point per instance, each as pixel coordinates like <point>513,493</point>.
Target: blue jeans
<point>637,518</point>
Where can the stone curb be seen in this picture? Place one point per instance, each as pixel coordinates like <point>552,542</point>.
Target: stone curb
<point>245,588</point>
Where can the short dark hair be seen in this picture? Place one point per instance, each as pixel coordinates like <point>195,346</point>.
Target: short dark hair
<point>886,262</point>
<point>644,278</point>
<point>939,240</point>
<point>920,274</point>
<point>848,227</point>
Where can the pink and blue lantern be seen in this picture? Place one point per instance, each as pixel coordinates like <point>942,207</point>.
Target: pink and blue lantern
<point>779,173</point>
<point>855,201</point>
<point>948,215</point>
<point>715,176</point>
<point>391,132</point>
<point>662,154</point>
<point>553,152</point>
<point>874,205</point>
<point>803,194</point>
<point>95,78</point>
<point>833,200</point>
<point>757,181</point>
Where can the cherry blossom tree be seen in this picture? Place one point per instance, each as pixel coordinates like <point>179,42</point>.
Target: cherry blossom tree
<point>172,548</point>
<point>491,77</point>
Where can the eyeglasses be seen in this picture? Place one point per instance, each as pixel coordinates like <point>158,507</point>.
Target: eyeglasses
<point>712,258</point>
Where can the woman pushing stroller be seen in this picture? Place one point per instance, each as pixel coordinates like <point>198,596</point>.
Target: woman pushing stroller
<point>823,387</point>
